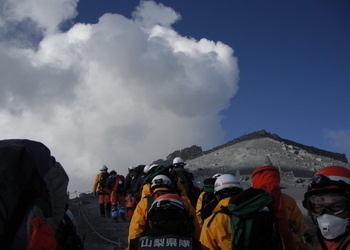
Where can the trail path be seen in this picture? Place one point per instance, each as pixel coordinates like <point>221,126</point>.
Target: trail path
<point>100,233</point>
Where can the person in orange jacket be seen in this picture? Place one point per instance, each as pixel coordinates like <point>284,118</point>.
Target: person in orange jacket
<point>291,220</point>
<point>100,189</point>
<point>115,184</point>
<point>218,235</point>
<point>328,202</point>
<point>160,184</point>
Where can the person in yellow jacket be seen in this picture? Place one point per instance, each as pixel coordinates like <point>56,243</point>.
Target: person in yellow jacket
<point>160,184</point>
<point>208,187</point>
<point>218,235</point>
<point>100,189</point>
<point>296,221</point>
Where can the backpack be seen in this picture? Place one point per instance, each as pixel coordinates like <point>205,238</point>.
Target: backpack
<point>67,234</point>
<point>253,221</point>
<point>103,179</point>
<point>110,182</point>
<point>33,195</point>
<point>161,170</point>
<point>167,214</point>
<point>209,200</point>
<point>119,184</point>
<point>153,172</point>
<point>186,179</point>
<point>169,225</point>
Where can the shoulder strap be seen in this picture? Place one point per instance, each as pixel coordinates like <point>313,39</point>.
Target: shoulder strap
<point>223,210</point>
<point>345,243</point>
<point>150,200</point>
<point>207,204</point>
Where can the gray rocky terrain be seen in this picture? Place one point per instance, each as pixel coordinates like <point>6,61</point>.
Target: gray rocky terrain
<point>297,163</point>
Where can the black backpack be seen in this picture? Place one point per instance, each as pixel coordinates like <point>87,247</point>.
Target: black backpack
<point>168,226</point>
<point>67,234</point>
<point>186,179</point>
<point>209,200</point>
<point>253,221</point>
<point>120,189</point>
<point>165,216</point>
<point>103,179</point>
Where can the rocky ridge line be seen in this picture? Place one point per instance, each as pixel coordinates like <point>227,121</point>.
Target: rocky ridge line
<point>196,151</point>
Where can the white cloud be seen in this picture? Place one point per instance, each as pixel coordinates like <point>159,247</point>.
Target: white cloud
<point>120,92</point>
<point>339,139</point>
<point>148,14</point>
<point>46,14</point>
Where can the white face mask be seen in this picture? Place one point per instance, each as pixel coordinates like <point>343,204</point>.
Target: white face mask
<point>332,226</point>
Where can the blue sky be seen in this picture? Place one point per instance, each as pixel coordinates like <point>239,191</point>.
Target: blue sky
<point>293,57</point>
<point>124,83</point>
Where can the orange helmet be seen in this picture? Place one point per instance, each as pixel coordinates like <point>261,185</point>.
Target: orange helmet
<point>264,168</point>
<point>334,177</point>
<point>331,179</point>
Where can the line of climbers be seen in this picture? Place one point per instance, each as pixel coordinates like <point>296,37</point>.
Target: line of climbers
<point>168,211</point>
<point>109,187</point>
<point>118,196</point>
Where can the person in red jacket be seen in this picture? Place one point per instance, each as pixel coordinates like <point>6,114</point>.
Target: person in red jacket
<point>328,203</point>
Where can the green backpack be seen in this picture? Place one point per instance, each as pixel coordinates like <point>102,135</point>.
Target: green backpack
<point>253,221</point>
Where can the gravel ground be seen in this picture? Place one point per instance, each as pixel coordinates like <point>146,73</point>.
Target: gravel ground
<point>99,233</point>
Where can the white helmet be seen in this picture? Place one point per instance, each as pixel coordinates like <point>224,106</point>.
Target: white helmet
<point>131,168</point>
<point>178,161</point>
<point>226,181</point>
<point>160,181</point>
<point>217,175</point>
<point>152,166</point>
<point>146,169</point>
<point>104,168</point>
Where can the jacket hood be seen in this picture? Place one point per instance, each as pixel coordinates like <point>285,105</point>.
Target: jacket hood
<point>266,177</point>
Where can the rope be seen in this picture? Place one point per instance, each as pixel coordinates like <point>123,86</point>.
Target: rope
<point>113,242</point>
<point>78,193</point>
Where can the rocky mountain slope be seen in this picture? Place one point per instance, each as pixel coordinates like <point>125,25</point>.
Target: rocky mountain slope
<point>250,151</point>
<point>196,151</point>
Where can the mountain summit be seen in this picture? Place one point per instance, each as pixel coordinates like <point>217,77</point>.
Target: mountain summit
<point>254,150</point>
